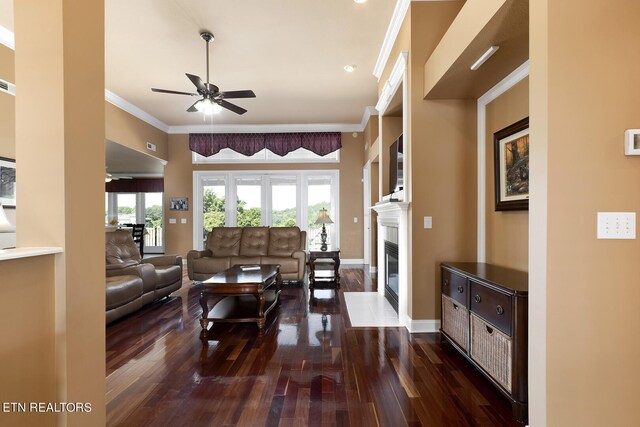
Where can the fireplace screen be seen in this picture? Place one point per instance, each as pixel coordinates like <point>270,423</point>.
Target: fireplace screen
<point>391,285</point>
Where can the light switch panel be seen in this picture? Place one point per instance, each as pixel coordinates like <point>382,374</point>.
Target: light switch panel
<point>616,225</point>
<point>355,219</point>
<point>172,220</point>
<point>183,220</point>
<point>428,222</point>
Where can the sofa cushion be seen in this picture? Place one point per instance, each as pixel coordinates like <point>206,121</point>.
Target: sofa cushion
<point>167,275</point>
<point>283,241</point>
<point>224,241</point>
<point>122,289</point>
<point>120,247</point>
<point>210,265</point>
<point>255,241</point>
<point>287,264</point>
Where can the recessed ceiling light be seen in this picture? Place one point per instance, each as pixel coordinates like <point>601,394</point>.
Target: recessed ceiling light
<point>360,1</point>
<point>350,68</point>
<point>484,57</point>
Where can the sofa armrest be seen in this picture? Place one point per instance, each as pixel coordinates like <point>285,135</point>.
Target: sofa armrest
<point>146,272</point>
<point>164,260</point>
<point>195,255</point>
<point>301,256</point>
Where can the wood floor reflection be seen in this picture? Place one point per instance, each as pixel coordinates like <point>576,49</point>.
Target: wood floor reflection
<point>309,368</point>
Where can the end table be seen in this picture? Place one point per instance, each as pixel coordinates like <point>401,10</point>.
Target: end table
<point>323,267</point>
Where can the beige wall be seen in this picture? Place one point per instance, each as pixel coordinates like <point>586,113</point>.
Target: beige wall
<point>391,129</point>
<point>507,232</point>
<point>7,68</point>
<point>371,132</point>
<point>7,106</point>
<point>443,167</point>
<point>127,130</point>
<point>179,183</point>
<point>591,285</point>
<point>60,179</point>
<point>27,365</point>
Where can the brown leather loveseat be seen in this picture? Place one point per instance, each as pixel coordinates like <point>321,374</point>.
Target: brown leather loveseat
<point>229,246</point>
<point>132,281</point>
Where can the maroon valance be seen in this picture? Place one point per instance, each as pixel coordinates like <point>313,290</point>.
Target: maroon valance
<point>320,143</point>
<point>135,185</point>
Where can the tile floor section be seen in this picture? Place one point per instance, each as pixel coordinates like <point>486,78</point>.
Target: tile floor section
<point>370,309</point>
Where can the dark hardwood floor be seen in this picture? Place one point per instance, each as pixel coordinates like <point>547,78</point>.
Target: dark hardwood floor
<point>309,368</point>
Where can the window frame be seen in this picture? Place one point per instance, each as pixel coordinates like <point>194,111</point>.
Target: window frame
<point>229,178</point>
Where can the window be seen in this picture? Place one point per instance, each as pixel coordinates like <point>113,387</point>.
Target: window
<point>249,202</point>
<point>138,208</point>
<point>126,203</point>
<point>319,197</point>
<point>214,204</point>
<point>273,198</point>
<point>284,201</point>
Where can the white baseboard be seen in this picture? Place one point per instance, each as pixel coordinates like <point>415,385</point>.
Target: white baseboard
<point>421,326</point>
<point>373,269</point>
<point>351,261</point>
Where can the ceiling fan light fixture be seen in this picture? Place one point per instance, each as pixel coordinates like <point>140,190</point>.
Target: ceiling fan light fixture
<point>208,107</point>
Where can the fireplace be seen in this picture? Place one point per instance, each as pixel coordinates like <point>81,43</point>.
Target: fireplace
<point>391,283</point>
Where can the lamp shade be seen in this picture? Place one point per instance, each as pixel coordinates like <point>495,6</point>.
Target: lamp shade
<point>5,225</point>
<point>323,217</point>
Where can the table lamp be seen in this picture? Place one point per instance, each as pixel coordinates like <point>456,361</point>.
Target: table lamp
<point>323,218</point>
<point>5,225</point>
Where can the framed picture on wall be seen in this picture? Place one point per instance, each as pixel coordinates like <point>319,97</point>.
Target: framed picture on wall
<point>178,203</point>
<point>8,183</point>
<point>511,166</point>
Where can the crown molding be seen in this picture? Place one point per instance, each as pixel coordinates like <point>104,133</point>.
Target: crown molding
<point>125,105</point>
<point>368,112</point>
<point>402,6</point>
<point>267,128</point>
<point>393,82</point>
<point>400,11</point>
<point>7,38</point>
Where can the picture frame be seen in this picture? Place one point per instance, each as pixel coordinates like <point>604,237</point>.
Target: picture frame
<point>511,167</point>
<point>7,183</point>
<point>178,203</point>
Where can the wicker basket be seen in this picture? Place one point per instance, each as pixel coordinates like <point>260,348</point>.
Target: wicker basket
<point>455,321</point>
<point>491,349</point>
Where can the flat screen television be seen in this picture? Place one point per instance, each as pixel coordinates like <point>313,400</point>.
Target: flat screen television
<point>396,170</point>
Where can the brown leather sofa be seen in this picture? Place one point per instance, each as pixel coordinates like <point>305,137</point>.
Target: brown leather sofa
<point>133,282</point>
<point>229,246</point>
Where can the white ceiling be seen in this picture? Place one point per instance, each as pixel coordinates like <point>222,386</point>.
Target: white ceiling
<point>290,52</point>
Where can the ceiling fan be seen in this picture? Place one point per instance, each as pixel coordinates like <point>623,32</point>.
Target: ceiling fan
<point>110,177</point>
<point>212,100</point>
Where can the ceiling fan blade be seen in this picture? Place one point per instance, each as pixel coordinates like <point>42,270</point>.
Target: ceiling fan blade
<point>238,94</point>
<point>153,89</point>
<point>230,106</point>
<point>193,108</point>
<point>198,82</point>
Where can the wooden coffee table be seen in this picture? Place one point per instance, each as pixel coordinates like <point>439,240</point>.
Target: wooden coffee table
<point>248,296</point>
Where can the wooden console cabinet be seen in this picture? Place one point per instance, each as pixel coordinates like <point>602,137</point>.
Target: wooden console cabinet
<point>484,316</point>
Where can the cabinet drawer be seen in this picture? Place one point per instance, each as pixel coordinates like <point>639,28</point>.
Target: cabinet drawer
<point>492,306</point>
<point>492,350</point>
<point>455,286</point>
<point>455,321</point>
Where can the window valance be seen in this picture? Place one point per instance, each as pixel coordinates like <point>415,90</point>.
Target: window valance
<point>320,143</point>
<point>135,185</point>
